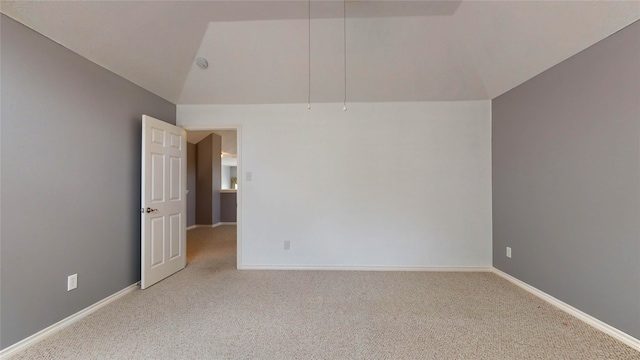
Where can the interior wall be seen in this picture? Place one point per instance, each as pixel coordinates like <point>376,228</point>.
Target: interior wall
<point>380,185</point>
<point>216,177</point>
<point>191,184</point>
<point>566,181</point>
<point>225,177</point>
<point>70,180</point>
<point>204,181</point>
<point>208,173</point>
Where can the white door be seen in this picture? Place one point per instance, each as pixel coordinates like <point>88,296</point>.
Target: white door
<point>164,204</point>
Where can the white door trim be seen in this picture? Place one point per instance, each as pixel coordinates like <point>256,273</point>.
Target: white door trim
<point>238,129</point>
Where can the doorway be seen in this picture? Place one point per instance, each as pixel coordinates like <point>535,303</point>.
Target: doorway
<point>219,148</point>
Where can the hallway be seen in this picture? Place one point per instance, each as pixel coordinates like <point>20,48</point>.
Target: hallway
<point>212,246</point>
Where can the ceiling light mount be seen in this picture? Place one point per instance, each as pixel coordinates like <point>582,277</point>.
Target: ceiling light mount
<point>202,63</point>
<point>344,37</point>
<point>309,44</point>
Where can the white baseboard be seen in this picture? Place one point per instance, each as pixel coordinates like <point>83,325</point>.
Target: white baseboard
<point>214,225</point>
<point>210,226</point>
<point>197,226</point>
<point>223,223</point>
<point>363,268</point>
<point>40,335</point>
<point>598,324</point>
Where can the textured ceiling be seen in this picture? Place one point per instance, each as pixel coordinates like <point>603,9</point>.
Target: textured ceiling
<point>258,51</point>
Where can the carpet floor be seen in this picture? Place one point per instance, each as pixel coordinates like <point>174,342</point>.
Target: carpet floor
<point>210,310</point>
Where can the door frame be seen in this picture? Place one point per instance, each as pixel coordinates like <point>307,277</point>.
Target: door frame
<point>238,129</point>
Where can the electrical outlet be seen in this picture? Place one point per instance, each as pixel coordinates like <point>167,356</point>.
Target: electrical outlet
<point>72,282</point>
<point>248,176</point>
<point>509,252</point>
<point>287,244</point>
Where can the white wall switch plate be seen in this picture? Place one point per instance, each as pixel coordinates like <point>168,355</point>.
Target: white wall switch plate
<point>509,252</point>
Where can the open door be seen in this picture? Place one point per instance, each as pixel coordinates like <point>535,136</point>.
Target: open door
<point>164,203</point>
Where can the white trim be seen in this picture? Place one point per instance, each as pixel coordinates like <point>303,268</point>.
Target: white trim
<point>42,334</point>
<point>212,226</point>
<point>222,223</point>
<point>238,129</point>
<point>365,268</point>
<point>590,320</point>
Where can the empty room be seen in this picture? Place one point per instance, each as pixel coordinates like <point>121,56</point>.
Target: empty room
<point>405,179</point>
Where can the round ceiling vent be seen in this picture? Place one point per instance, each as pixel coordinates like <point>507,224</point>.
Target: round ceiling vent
<point>202,63</point>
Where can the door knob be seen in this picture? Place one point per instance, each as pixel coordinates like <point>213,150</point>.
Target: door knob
<point>151,210</point>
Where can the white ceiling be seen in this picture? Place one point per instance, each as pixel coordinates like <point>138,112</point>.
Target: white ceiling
<point>258,51</point>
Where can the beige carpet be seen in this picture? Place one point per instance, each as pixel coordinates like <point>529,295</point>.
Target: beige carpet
<point>210,310</point>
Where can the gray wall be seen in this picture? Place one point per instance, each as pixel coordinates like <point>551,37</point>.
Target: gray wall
<point>191,184</point>
<point>228,207</point>
<point>566,181</point>
<point>208,180</point>
<point>204,187</point>
<point>216,176</point>
<point>70,180</point>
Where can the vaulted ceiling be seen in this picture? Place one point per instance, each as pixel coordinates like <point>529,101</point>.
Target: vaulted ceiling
<point>262,51</point>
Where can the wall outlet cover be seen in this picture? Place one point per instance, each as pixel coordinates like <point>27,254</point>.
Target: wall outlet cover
<point>72,282</point>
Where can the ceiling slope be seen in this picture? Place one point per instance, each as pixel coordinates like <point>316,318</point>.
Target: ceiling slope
<point>258,51</point>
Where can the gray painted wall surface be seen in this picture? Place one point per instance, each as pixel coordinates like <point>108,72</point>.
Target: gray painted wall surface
<point>566,181</point>
<point>216,169</point>
<point>204,185</point>
<point>70,173</point>
<point>228,207</point>
<point>191,184</point>
<point>208,180</point>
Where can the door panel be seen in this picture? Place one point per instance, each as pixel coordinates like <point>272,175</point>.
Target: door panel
<point>175,186</point>
<point>157,241</point>
<point>175,223</point>
<point>157,179</point>
<point>163,200</point>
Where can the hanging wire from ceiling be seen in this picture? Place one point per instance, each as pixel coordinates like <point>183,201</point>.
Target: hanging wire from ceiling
<point>344,25</point>
<point>309,34</point>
